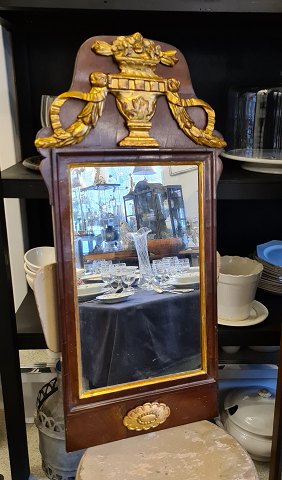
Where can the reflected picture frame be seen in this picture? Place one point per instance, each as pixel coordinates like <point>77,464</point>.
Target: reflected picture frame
<point>179,169</point>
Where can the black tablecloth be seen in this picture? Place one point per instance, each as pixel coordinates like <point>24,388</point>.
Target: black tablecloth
<point>148,335</point>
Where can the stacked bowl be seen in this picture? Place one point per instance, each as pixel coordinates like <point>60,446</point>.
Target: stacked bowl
<point>36,258</point>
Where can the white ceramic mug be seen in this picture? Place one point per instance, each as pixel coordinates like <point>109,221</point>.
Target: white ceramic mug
<point>237,285</point>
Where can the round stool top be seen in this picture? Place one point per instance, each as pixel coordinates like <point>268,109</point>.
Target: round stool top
<point>198,451</point>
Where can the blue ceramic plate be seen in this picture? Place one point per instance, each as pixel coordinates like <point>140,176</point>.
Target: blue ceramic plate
<point>271,252</point>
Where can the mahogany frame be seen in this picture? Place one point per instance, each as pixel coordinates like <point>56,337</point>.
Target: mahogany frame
<point>99,419</point>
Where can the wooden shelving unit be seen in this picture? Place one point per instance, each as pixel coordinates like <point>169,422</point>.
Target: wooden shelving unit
<point>45,38</point>
<point>18,181</point>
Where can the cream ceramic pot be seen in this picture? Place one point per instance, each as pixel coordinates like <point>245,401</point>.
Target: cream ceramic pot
<point>248,416</point>
<point>237,285</point>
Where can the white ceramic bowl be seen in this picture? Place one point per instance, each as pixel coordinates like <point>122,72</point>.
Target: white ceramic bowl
<point>231,348</point>
<point>266,348</point>
<point>239,266</point>
<point>30,281</point>
<point>29,272</point>
<point>39,257</point>
<point>237,285</point>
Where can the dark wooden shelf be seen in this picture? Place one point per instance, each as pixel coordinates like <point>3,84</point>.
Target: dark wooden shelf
<point>239,184</point>
<point>30,334</point>
<point>21,182</point>
<point>209,6</point>
<point>245,355</point>
<point>265,333</point>
<point>235,184</point>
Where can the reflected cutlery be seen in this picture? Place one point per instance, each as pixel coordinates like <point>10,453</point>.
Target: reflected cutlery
<point>158,289</point>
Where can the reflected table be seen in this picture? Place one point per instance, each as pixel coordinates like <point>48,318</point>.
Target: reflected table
<point>148,335</point>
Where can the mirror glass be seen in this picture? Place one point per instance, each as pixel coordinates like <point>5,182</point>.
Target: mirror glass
<point>136,243</point>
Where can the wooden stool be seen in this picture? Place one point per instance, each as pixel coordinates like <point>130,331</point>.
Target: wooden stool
<point>198,451</point>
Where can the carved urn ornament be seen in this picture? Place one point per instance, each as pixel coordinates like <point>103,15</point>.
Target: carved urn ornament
<point>136,89</point>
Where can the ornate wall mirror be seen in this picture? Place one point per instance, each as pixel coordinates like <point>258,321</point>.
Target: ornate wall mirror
<point>134,221</point>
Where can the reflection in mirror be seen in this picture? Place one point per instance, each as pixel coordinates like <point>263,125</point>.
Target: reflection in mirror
<point>136,248</point>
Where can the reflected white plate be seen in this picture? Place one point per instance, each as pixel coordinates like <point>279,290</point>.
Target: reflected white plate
<point>88,289</point>
<point>92,277</point>
<point>114,297</point>
<point>258,314</point>
<point>186,279</point>
<point>185,285</point>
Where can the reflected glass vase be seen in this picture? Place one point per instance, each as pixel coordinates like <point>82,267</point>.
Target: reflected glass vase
<point>140,239</point>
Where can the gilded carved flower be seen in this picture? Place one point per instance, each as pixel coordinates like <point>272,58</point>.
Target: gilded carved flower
<point>144,417</point>
<point>135,46</point>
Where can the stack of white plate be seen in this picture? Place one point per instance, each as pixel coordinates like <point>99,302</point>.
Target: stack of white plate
<point>270,256</point>
<point>36,258</point>
<point>192,277</point>
<point>90,290</point>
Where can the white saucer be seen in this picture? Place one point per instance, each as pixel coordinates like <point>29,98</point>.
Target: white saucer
<point>258,314</point>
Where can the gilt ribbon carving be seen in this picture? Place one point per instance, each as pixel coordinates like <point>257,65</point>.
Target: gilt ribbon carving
<point>136,89</point>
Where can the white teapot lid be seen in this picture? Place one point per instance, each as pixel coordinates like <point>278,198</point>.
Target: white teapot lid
<point>252,409</point>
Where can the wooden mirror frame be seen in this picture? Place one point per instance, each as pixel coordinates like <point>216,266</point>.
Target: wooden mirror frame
<point>100,418</point>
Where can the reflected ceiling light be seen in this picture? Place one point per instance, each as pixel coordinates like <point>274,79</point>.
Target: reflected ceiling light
<point>143,170</point>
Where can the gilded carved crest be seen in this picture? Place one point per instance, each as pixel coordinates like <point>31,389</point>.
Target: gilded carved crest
<point>136,88</point>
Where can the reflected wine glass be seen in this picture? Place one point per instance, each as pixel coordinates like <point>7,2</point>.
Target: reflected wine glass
<point>184,265</point>
<point>159,271</point>
<point>119,266</point>
<point>128,278</point>
<point>115,280</point>
<point>106,276</point>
